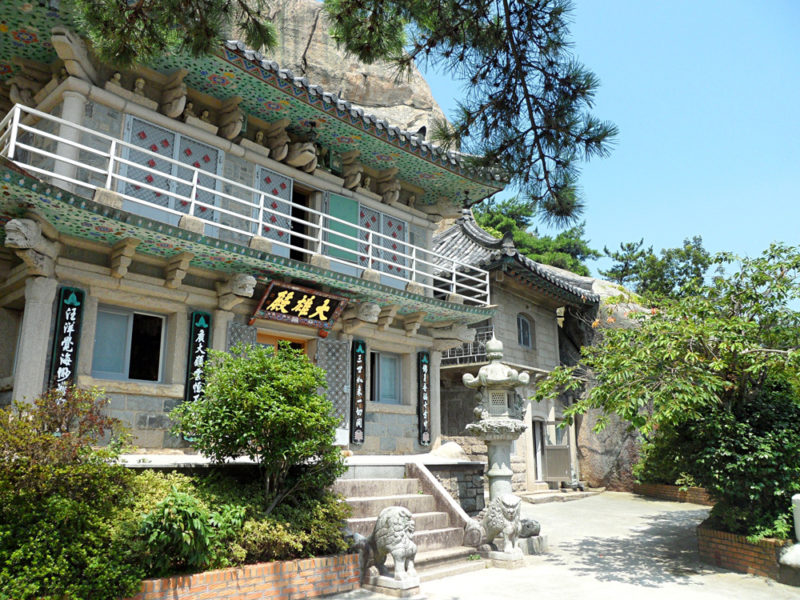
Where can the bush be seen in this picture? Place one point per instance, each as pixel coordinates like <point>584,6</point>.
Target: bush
<point>265,405</point>
<point>747,456</point>
<point>59,500</point>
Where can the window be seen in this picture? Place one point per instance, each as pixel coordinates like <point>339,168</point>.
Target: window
<point>128,345</point>
<point>385,376</point>
<point>524,331</point>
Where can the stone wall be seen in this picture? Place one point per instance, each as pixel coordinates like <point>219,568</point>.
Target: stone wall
<point>296,579</point>
<point>465,483</point>
<point>476,450</point>
<point>734,552</point>
<point>390,429</point>
<point>458,403</point>
<point>147,417</point>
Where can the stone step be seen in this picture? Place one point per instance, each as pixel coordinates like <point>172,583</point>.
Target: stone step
<point>356,488</point>
<point>435,539</point>
<point>422,521</point>
<point>371,506</point>
<point>557,496</point>
<point>445,562</point>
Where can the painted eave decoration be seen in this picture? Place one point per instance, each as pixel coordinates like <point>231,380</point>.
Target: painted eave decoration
<point>74,216</point>
<point>271,93</point>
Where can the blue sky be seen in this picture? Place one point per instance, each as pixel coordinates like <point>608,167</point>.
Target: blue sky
<point>706,95</point>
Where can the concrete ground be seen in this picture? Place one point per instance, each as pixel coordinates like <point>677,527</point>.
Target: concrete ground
<point>611,546</point>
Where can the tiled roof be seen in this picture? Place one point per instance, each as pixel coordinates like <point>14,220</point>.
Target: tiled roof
<point>467,242</point>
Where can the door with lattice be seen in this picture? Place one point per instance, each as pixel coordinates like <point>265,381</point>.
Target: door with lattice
<point>275,222</point>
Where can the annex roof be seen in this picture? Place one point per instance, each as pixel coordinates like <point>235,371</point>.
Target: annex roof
<point>468,242</point>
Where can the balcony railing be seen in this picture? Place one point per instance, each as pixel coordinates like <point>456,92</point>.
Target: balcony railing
<point>471,352</point>
<point>83,161</point>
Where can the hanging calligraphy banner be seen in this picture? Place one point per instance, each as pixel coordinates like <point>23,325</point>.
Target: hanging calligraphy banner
<point>299,305</point>
<point>358,387</point>
<point>423,402</point>
<point>66,338</point>
<point>199,333</point>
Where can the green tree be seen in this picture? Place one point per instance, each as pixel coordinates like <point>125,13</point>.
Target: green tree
<point>627,262</point>
<point>527,101</point>
<point>717,350</point>
<point>266,405</point>
<point>123,33</point>
<point>567,250</point>
<point>677,271</point>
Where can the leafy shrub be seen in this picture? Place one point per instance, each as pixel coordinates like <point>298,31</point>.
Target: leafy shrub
<point>182,534</point>
<point>747,456</point>
<point>265,405</point>
<point>58,502</point>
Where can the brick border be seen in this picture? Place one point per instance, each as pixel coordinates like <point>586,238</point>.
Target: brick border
<point>734,552</point>
<point>662,491</point>
<point>287,580</point>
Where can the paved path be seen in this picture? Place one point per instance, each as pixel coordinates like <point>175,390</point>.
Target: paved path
<point>612,546</point>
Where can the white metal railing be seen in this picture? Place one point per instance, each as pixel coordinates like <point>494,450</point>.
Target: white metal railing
<point>470,352</point>
<point>62,158</point>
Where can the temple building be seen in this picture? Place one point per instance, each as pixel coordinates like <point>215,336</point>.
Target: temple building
<point>530,300</point>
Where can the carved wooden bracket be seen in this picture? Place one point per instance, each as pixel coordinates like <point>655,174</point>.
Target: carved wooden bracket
<point>352,169</point>
<point>412,322</point>
<point>71,49</point>
<point>122,255</point>
<point>388,186</point>
<point>387,316</point>
<point>277,140</point>
<point>176,269</point>
<point>25,237</point>
<point>354,317</point>
<point>231,118</point>
<point>173,95</point>
<point>235,290</point>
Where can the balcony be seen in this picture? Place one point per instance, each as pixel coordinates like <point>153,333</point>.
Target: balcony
<point>150,184</point>
<point>471,352</point>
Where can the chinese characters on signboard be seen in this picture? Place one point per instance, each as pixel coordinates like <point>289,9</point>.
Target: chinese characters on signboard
<point>358,404</point>
<point>302,306</point>
<point>67,336</point>
<point>424,405</point>
<point>199,332</point>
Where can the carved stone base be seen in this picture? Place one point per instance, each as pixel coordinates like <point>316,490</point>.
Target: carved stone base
<point>506,560</point>
<point>533,546</point>
<point>405,588</point>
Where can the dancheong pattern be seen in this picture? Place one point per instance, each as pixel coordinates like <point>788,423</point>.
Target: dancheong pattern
<point>25,31</point>
<point>82,218</point>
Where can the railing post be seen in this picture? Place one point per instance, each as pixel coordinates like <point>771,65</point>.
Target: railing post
<point>413,263</point>
<point>320,233</point>
<point>453,266</point>
<point>193,196</point>
<point>369,250</point>
<point>112,153</point>
<point>14,129</point>
<point>260,226</point>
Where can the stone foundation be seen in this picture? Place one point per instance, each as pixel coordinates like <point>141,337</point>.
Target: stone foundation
<point>465,483</point>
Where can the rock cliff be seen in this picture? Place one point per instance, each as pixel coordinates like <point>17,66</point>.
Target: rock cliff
<point>307,49</point>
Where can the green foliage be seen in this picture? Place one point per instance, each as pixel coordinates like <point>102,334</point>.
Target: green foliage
<point>182,534</point>
<point>746,455</point>
<point>676,272</point>
<point>567,250</point>
<point>123,33</point>
<point>58,502</point>
<point>265,405</point>
<point>697,376</point>
<point>526,107</point>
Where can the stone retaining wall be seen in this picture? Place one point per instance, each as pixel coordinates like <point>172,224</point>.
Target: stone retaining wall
<point>464,483</point>
<point>295,579</point>
<point>695,495</point>
<point>734,552</point>
<point>477,451</point>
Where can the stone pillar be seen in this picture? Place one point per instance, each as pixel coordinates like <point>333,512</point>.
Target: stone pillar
<point>436,399</point>
<point>219,329</point>
<point>88,330</point>
<point>499,472</point>
<point>37,321</point>
<point>72,110</point>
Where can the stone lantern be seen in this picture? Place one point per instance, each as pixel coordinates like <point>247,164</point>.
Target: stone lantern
<point>499,414</point>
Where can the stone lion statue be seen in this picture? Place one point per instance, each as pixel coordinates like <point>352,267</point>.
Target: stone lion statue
<point>502,516</point>
<point>392,535</point>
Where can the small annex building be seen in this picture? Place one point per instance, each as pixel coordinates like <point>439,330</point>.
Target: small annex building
<point>531,301</point>
<point>147,216</point>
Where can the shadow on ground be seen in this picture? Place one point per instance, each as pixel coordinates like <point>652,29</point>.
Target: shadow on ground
<point>661,549</point>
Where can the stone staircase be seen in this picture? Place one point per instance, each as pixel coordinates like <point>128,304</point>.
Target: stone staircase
<point>438,535</point>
